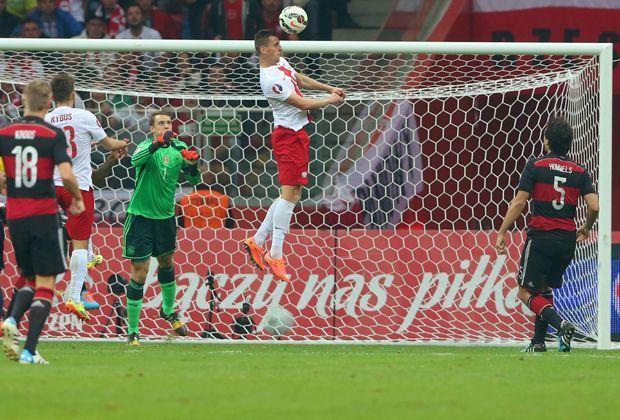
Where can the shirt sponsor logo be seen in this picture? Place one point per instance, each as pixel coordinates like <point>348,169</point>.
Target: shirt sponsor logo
<point>277,88</point>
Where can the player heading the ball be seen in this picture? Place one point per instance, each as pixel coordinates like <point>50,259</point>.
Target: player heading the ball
<point>282,85</point>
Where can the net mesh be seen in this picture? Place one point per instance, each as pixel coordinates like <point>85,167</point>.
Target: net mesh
<point>394,236</point>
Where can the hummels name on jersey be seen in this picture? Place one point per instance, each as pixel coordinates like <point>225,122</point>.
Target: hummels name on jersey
<point>560,168</point>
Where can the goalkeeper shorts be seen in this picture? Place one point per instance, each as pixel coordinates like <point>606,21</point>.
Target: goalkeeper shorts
<point>144,237</point>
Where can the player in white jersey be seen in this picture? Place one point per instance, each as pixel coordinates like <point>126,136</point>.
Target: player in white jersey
<point>81,128</point>
<point>281,86</point>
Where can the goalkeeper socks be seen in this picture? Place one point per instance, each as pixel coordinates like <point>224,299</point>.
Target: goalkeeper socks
<point>79,260</point>
<point>135,293</point>
<point>281,221</point>
<point>39,311</point>
<point>165,276</point>
<point>267,226</point>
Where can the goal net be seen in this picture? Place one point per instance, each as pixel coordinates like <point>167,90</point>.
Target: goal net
<point>409,181</point>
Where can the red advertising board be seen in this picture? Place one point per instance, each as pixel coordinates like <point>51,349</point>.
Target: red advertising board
<point>347,285</point>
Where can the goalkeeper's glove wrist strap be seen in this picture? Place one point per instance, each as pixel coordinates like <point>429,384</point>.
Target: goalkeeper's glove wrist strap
<point>193,170</point>
<point>153,147</point>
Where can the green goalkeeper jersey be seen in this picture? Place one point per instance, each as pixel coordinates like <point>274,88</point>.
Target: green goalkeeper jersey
<point>157,176</point>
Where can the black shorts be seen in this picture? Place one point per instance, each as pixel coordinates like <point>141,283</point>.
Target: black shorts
<point>39,251</point>
<point>544,261</point>
<point>144,237</point>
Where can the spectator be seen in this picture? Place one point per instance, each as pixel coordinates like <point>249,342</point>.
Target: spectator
<point>91,66</point>
<point>135,25</point>
<point>217,19</point>
<point>22,65</point>
<point>343,18</point>
<point>265,16</point>
<point>114,15</point>
<point>30,28</point>
<point>21,8</point>
<point>54,22</point>
<point>95,28</point>
<point>8,21</point>
<point>74,7</point>
<point>169,25</point>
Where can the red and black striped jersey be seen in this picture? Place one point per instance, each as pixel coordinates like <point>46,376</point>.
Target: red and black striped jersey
<point>30,149</point>
<point>555,184</point>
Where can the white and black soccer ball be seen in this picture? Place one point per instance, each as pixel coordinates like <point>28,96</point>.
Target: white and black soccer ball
<point>278,321</point>
<point>293,19</point>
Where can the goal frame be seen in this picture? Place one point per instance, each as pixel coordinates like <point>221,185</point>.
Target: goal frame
<point>603,51</point>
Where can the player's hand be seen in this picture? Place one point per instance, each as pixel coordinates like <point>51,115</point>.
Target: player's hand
<point>334,98</point>
<point>165,138</point>
<point>77,206</point>
<point>583,233</point>
<point>339,91</point>
<point>500,243</point>
<point>191,157</point>
<point>121,152</point>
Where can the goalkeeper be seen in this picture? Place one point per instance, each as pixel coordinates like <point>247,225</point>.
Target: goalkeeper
<point>150,227</point>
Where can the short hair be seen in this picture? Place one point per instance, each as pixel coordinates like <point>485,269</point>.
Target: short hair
<point>37,95</point>
<point>261,39</point>
<point>134,4</point>
<point>62,86</point>
<point>559,133</point>
<point>156,113</point>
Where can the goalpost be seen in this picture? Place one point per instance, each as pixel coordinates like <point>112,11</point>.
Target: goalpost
<point>409,179</point>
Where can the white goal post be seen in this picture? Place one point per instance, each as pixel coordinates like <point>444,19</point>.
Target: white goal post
<point>410,177</point>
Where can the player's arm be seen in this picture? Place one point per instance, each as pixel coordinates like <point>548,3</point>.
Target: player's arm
<point>306,104</point>
<point>583,232</point>
<point>105,169</point>
<point>110,143</point>
<point>514,211</point>
<point>191,158</point>
<point>306,82</point>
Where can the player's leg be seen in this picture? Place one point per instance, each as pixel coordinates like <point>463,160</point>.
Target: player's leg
<point>254,244</point>
<point>563,254</point>
<point>79,227</point>
<point>49,260</point>
<point>93,259</point>
<point>537,344</point>
<point>20,303</point>
<point>163,249</point>
<point>291,152</point>
<point>536,266</point>
<point>138,238</point>
<point>39,312</point>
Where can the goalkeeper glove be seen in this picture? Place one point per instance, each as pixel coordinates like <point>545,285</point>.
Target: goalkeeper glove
<point>190,156</point>
<point>165,139</point>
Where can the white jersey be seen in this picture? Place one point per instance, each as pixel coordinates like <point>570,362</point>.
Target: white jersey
<point>80,127</point>
<point>278,82</point>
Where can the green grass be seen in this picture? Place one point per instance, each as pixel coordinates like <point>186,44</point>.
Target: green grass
<point>254,381</point>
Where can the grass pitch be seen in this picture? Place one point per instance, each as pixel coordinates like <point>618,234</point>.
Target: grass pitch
<point>258,381</point>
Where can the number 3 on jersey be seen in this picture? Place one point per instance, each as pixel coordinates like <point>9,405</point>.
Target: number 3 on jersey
<point>26,159</point>
<point>70,138</point>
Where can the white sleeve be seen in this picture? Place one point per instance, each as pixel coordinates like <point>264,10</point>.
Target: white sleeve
<point>275,90</point>
<point>94,127</point>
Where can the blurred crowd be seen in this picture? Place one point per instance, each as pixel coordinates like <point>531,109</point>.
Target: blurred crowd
<point>164,19</point>
<point>221,127</point>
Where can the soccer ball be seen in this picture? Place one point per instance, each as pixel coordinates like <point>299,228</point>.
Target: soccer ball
<point>293,19</point>
<point>278,321</point>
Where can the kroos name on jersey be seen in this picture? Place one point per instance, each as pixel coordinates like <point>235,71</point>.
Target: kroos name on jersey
<point>25,134</point>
